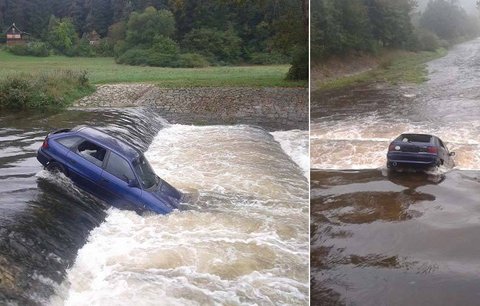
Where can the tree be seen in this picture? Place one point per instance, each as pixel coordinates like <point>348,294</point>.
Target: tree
<point>446,19</point>
<point>62,35</point>
<point>99,17</point>
<point>143,27</point>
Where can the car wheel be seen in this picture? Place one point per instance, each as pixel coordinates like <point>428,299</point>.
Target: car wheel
<point>55,167</point>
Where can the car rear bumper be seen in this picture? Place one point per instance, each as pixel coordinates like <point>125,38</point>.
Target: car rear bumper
<point>43,157</point>
<point>412,159</point>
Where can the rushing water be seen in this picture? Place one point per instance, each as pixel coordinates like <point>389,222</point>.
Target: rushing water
<point>240,239</point>
<point>383,238</point>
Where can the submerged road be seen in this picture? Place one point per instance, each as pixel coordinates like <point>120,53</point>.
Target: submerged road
<point>382,238</point>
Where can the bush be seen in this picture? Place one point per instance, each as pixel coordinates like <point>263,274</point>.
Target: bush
<point>37,48</point>
<point>84,48</point>
<point>104,48</point>
<point>46,90</point>
<point>150,57</point>
<point>217,46</point>
<point>192,60</point>
<point>264,58</point>
<point>161,59</point>
<point>165,45</point>
<point>427,40</point>
<point>300,65</point>
<point>135,56</point>
<point>119,48</point>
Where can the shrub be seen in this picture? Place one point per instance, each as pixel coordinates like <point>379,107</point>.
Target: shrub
<point>217,46</point>
<point>264,58</point>
<point>161,59</point>
<point>46,90</point>
<point>165,45</point>
<point>84,48</point>
<point>192,60</point>
<point>104,48</point>
<point>119,48</point>
<point>300,65</point>
<point>427,40</point>
<point>135,57</point>
<point>37,48</point>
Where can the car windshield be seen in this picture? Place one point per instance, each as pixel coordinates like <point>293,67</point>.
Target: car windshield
<point>145,173</point>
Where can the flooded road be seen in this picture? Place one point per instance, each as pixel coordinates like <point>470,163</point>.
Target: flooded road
<point>241,238</point>
<point>382,238</point>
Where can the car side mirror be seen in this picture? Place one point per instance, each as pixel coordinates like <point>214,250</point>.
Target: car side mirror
<point>452,154</point>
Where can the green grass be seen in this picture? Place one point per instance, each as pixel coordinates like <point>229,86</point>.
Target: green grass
<point>105,70</point>
<point>46,90</point>
<point>395,68</point>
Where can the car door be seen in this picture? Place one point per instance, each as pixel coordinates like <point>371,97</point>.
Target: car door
<point>85,165</point>
<point>121,184</point>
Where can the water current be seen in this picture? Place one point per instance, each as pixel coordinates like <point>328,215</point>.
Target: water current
<point>384,238</point>
<point>240,238</point>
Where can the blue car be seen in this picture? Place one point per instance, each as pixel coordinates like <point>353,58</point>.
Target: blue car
<point>418,151</point>
<point>108,168</point>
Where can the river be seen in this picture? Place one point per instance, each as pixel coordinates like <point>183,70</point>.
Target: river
<point>241,238</point>
<point>383,238</point>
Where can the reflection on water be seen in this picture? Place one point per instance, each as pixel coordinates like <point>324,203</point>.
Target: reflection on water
<point>387,238</point>
<point>399,232</point>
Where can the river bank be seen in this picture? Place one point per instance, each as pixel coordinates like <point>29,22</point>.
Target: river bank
<point>272,108</point>
<point>393,67</point>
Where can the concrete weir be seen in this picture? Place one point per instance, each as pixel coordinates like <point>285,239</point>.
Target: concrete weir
<point>274,108</point>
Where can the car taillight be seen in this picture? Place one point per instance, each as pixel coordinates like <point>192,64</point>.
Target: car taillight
<point>432,150</point>
<point>391,147</point>
<point>45,144</point>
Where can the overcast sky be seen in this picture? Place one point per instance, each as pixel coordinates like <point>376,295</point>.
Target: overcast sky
<point>468,5</point>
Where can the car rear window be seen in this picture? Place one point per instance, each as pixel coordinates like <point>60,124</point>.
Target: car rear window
<point>119,167</point>
<point>69,141</point>
<point>414,138</point>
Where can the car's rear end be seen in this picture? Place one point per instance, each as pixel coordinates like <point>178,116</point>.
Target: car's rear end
<point>50,150</point>
<point>413,150</point>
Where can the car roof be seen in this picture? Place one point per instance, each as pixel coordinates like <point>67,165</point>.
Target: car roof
<point>109,142</point>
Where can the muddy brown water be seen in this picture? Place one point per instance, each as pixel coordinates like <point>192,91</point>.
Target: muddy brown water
<point>383,238</point>
<point>241,238</point>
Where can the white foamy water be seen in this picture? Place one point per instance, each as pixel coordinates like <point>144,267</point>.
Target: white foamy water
<point>244,241</point>
<point>362,143</point>
<point>296,144</point>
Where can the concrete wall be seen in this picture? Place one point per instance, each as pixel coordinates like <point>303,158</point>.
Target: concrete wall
<point>272,108</point>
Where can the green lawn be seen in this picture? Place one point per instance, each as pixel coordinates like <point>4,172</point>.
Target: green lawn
<point>105,70</point>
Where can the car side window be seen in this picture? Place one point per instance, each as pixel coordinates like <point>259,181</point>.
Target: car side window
<point>119,167</point>
<point>92,152</point>
<point>441,143</point>
<point>69,141</point>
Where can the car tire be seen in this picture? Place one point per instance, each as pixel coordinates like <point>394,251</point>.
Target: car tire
<point>55,167</point>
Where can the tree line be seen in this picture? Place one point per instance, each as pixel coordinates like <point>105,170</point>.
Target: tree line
<point>167,32</point>
<point>342,27</point>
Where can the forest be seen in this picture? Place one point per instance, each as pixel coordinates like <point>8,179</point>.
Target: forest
<point>167,33</point>
<point>345,27</point>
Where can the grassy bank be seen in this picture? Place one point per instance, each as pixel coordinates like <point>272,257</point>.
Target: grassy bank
<point>395,67</point>
<point>105,70</point>
<point>46,90</point>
